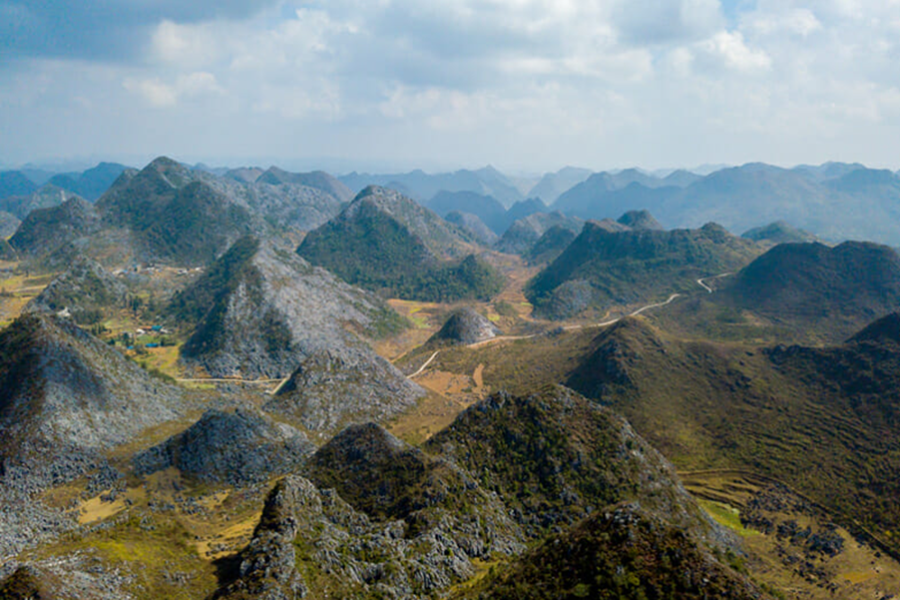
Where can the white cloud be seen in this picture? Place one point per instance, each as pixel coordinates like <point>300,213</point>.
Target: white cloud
<point>798,21</point>
<point>581,81</point>
<point>729,49</point>
<point>162,95</point>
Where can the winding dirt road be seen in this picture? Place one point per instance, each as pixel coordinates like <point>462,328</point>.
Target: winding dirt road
<point>506,338</point>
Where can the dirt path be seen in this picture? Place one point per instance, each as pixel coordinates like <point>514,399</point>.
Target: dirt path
<point>427,362</point>
<point>706,287</point>
<point>508,338</point>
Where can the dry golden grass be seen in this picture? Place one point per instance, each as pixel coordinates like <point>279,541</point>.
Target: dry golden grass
<point>859,571</point>
<point>433,413</point>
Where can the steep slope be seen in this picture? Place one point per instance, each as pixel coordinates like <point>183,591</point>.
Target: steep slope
<point>832,291</point>
<point>474,226</point>
<point>778,232</point>
<point>525,232</point>
<point>602,268</point>
<point>65,396</point>
<point>621,552</point>
<point>555,456</point>
<point>318,180</point>
<point>331,389</point>
<point>489,210</point>
<point>412,527</point>
<point>7,252</point>
<point>175,214</point>
<point>260,310</point>
<point>264,312</point>
<point>85,289</point>
<point>386,242</point>
<point>379,518</point>
<point>465,326</point>
<point>237,447</point>
<point>820,420</point>
<point>885,330</point>
<point>8,224</point>
<point>48,229</point>
<point>286,205</point>
<point>550,245</point>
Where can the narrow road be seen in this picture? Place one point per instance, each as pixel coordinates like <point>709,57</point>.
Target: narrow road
<point>706,287</point>
<point>427,362</point>
<point>505,338</point>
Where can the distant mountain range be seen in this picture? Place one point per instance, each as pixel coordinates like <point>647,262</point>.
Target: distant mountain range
<point>834,201</point>
<point>422,187</point>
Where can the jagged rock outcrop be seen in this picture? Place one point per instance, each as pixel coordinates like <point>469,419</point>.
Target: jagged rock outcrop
<point>60,578</point>
<point>47,229</point>
<point>620,552</point>
<point>65,399</point>
<point>261,311</point>
<point>379,517</point>
<point>237,447</point>
<point>65,396</point>
<point>465,326</point>
<point>428,521</point>
<point>554,457</point>
<point>330,390</point>
<point>83,289</point>
<point>264,312</point>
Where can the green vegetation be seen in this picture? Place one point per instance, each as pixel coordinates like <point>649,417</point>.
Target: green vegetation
<point>815,419</point>
<point>220,280</point>
<point>383,256</point>
<point>601,268</point>
<point>375,249</point>
<point>814,288</point>
<point>619,553</point>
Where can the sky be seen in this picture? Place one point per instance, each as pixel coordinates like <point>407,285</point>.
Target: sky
<point>524,85</point>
